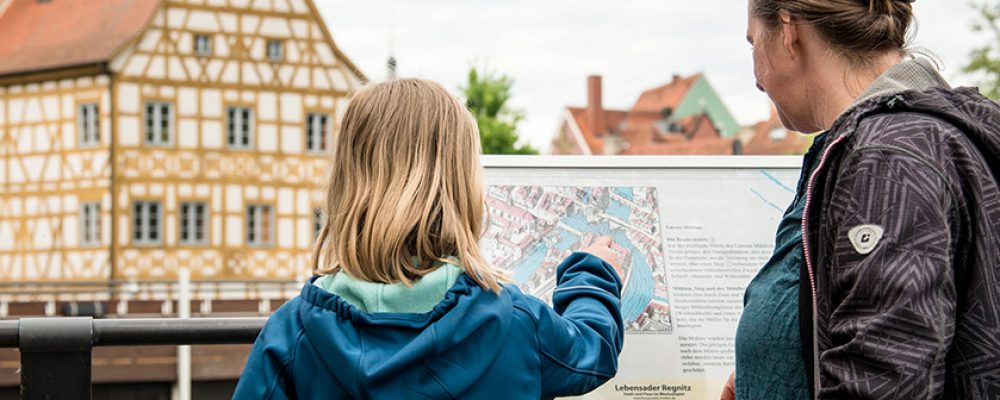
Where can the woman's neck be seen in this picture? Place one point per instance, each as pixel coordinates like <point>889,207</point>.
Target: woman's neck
<point>838,84</point>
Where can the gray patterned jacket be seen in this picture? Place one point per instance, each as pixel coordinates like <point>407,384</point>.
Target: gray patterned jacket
<point>901,233</point>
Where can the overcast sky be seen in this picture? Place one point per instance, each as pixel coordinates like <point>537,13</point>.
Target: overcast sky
<point>550,46</point>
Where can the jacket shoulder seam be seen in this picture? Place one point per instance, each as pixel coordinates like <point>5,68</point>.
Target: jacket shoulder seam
<point>286,365</point>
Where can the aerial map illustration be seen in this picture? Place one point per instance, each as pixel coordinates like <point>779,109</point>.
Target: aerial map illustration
<point>533,228</point>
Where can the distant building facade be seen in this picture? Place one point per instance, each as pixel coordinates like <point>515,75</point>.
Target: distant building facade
<point>139,137</point>
<point>685,116</point>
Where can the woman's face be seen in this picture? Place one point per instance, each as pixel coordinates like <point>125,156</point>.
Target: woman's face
<point>779,74</point>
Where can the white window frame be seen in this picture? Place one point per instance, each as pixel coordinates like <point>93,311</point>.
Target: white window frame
<point>90,224</point>
<point>203,44</point>
<point>254,232</point>
<point>317,132</point>
<point>89,124</point>
<point>276,50</point>
<point>142,222</point>
<point>153,123</point>
<point>238,118</point>
<point>777,134</point>
<point>189,214</point>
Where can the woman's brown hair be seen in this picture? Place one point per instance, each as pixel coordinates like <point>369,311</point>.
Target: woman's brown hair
<point>857,29</point>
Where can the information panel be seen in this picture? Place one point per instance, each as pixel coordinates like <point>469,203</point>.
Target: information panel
<point>692,233</point>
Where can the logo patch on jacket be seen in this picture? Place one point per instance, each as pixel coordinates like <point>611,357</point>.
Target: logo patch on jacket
<point>865,237</point>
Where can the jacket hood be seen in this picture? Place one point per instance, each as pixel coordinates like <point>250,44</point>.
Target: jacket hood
<point>915,86</point>
<point>379,348</point>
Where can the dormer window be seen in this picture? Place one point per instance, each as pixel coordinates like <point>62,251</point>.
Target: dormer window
<point>203,45</point>
<point>778,133</point>
<point>275,50</point>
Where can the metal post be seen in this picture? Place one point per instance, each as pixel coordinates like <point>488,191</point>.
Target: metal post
<point>184,352</point>
<point>56,358</point>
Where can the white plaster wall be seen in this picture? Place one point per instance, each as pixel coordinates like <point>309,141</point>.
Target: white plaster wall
<point>128,131</point>
<point>267,106</point>
<point>6,235</point>
<point>286,201</point>
<point>211,134</point>
<point>250,75</point>
<point>128,98</point>
<point>33,111</point>
<point>267,138</point>
<point>299,6</point>
<point>291,139</point>
<point>249,23</point>
<point>234,231</point>
<point>187,102</point>
<point>157,68</point>
<point>286,234</point>
<point>272,26</point>
<point>15,109</point>
<point>71,231</point>
<point>251,193</point>
<point>211,103</point>
<point>187,133</point>
<point>305,233</point>
<point>202,21</point>
<point>177,71</point>
<point>136,65</point>
<point>234,199</point>
<point>291,108</point>
<point>175,17</point>
<point>229,21</point>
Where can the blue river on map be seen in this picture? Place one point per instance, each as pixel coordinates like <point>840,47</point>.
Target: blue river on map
<point>640,286</point>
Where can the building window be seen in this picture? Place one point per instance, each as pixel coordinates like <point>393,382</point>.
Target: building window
<point>203,45</point>
<point>275,50</point>
<point>90,222</point>
<point>316,132</point>
<point>259,223</point>
<point>778,133</point>
<point>318,218</point>
<point>192,223</point>
<point>240,127</point>
<point>146,217</point>
<point>88,123</point>
<point>159,123</point>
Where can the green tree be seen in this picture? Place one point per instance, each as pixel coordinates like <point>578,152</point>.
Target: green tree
<point>486,96</point>
<point>986,59</point>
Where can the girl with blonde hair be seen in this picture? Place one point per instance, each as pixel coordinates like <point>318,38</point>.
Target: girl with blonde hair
<point>403,305</point>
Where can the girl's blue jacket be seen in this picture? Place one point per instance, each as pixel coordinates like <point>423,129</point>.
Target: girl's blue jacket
<point>475,344</point>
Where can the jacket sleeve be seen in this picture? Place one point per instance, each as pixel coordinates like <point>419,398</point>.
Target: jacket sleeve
<point>890,314</point>
<point>581,338</point>
<point>266,373</point>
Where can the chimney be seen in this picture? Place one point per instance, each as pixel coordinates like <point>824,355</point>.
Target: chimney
<point>595,110</point>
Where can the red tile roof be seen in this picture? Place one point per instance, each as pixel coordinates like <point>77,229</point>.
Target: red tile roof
<point>666,96</point>
<point>55,34</point>
<point>639,129</point>
<point>613,120</point>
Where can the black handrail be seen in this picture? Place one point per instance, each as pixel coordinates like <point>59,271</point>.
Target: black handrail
<point>56,352</point>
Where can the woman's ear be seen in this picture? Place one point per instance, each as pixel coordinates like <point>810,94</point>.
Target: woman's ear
<point>789,34</point>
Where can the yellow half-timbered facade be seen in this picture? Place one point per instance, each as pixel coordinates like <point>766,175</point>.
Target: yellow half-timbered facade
<point>198,140</point>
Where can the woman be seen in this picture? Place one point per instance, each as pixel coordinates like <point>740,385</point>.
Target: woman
<point>885,279</point>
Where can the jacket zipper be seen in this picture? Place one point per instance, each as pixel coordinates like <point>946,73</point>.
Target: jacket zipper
<point>809,267</point>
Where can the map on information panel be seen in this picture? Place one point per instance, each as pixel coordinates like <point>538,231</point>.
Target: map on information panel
<point>533,228</point>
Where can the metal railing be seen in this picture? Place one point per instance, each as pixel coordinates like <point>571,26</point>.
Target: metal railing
<point>56,353</point>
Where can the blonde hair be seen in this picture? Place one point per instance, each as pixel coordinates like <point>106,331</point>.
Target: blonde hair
<point>406,187</point>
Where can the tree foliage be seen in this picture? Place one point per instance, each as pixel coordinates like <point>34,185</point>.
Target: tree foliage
<point>486,96</point>
<point>986,59</point>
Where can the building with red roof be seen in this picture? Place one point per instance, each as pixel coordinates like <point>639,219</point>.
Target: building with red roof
<point>684,116</point>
